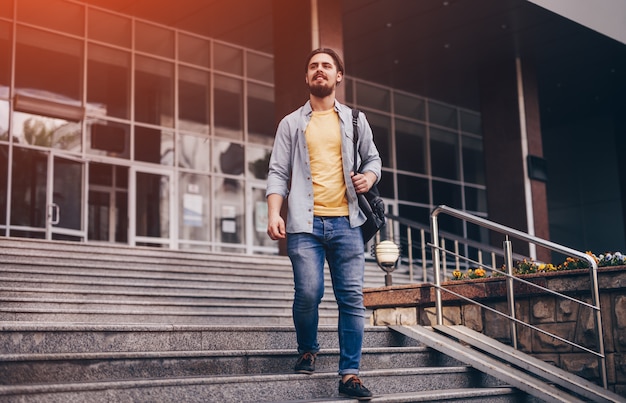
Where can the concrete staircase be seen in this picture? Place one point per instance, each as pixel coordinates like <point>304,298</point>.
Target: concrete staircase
<point>115,324</point>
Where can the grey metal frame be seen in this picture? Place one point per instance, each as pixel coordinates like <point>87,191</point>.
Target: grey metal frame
<point>437,250</point>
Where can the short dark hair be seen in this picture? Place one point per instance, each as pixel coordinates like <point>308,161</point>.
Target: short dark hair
<point>331,53</point>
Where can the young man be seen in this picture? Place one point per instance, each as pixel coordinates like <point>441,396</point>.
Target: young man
<point>312,162</point>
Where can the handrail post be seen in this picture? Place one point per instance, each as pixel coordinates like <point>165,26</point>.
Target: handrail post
<point>595,295</point>
<point>423,246</point>
<point>436,266</point>
<point>510,292</point>
<point>409,240</point>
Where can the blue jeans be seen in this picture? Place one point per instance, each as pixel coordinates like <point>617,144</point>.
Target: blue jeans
<point>335,241</point>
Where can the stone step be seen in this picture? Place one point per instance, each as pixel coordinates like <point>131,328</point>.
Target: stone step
<point>19,369</point>
<point>249,388</point>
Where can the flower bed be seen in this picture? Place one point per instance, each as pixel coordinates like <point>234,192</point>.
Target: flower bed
<point>525,266</point>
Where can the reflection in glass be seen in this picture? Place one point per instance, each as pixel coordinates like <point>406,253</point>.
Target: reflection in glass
<point>108,82</point>
<point>409,106</point>
<point>411,153</point>
<point>194,152</point>
<point>258,161</point>
<point>475,199</point>
<point>261,125</point>
<point>194,218</point>
<point>54,14</point>
<point>228,158</point>
<point>442,115</point>
<point>4,120</point>
<point>4,176</point>
<point>28,187</point>
<point>110,28</point>
<point>444,153</point>
<point>473,165</point>
<point>228,210</point>
<point>108,138</point>
<point>413,189</point>
<point>46,132</point>
<point>194,100</point>
<point>5,58</point>
<point>154,91</point>
<point>194,50</point>
<point>373,97</point>
<point>153,145</point>
<point>228,112</point>
<point>153,205</point>
<point>260,219</point>
<point>260,67</point>
<point>154,39</point>
<point>48,64</point>
<point>381,129</point>
<point>227,58</point>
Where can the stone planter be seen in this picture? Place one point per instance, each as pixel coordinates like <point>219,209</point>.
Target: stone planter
<point>414,304</point>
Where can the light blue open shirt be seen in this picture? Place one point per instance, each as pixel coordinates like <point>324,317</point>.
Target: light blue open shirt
<point>289,163</point>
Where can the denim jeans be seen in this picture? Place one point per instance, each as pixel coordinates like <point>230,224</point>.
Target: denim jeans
<point>335,241</point>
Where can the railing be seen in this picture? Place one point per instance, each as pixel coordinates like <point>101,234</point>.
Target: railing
<point>439,253</point>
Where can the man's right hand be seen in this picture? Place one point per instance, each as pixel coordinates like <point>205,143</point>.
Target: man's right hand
<point>276,228</point>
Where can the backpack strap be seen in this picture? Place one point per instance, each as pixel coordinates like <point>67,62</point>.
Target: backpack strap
<point>355,135</point>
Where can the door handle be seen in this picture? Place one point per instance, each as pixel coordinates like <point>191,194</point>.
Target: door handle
<point>54,213</point>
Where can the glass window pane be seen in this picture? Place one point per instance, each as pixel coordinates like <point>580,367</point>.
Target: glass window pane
<point>5,58</point>
<point>109,28</point>
<point>153,205</point>
<point>228,158</point>
<point>475,199</point>
<point>153,145</point>
<point>154,39</point>
<point>418,214</point>
<point>258,161</point>
<point>4,120</point>
<point>108,138</point>
<point>108,82</point>
<point>444,153</point>
<point>48,65</point>
<point>54,14</point>
<point>473,161</point>
<point>228,107</point>
<point>409,106</point>
<point>229,211</point>
<point>154,91</point>
<point>381,129</point>
<point>442,115</point>
<point>260,219</point>
<point>261,120</point>
<point>6,9</point>
<point>46,132</point>
<point>194,50</point>
<point>448,194</point>
<point>373,97</point>
<point>471,122</point>
<point>385,185</point>
<point>227,59</point>
<point>194,207</point>
<point>194,100</point>
<point>413,189</point>
<point>4,176</point>
<point>349,85</point>
<point>411,146</point>
<point>194,152</point>
<point>28,185</point>
<point>260,67</point>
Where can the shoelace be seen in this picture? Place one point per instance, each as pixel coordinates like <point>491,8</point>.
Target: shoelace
<point>354,383</point>
<point>307,356</point>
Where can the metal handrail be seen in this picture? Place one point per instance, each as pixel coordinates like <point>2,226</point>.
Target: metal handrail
<point>437,250</point>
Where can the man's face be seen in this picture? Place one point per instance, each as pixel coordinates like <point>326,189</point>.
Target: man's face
<point>322,75</point>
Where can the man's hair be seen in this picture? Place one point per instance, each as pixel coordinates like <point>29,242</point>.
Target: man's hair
<point>331,53</point>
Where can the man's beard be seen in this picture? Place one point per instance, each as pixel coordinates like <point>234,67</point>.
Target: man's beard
<point>320,91</point>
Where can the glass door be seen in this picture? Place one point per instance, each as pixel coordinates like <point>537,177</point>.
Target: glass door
<point>151,208</point>
<point>65,199</point>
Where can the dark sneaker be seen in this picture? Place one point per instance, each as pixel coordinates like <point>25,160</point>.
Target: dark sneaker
<point>306,363</point>
<point>355,388</point>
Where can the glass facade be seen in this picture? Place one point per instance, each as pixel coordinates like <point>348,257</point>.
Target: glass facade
<point>114,129</point>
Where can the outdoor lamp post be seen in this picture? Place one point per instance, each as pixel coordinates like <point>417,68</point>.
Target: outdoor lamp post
<point>387,254</point>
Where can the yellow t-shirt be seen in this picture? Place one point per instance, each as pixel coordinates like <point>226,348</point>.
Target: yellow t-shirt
<point>323,138</point>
